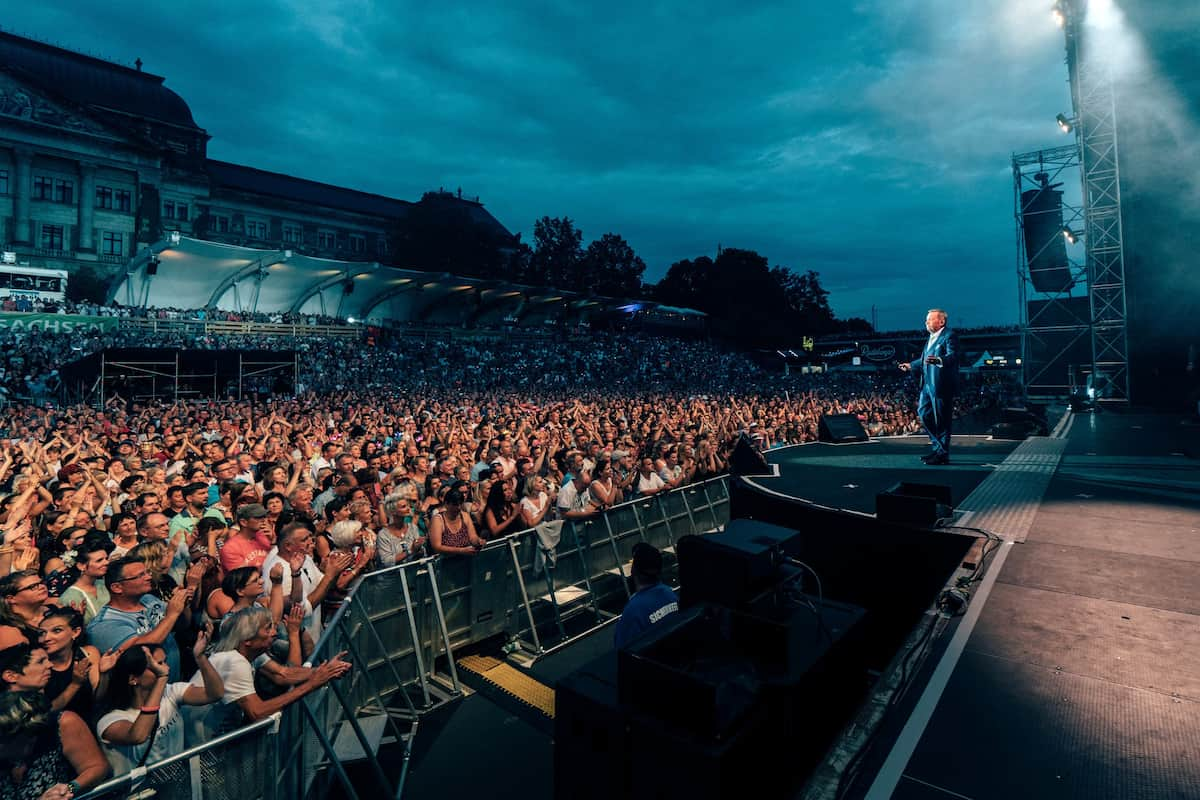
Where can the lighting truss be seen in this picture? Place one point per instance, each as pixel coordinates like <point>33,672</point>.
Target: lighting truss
<point>1094,101</point>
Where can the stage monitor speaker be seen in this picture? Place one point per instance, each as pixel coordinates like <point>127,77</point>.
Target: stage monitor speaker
<point>920,504</point>
<point>1045,247</point>
<point>152,266</point>
<point>746,459</point>
<point>841,428</point>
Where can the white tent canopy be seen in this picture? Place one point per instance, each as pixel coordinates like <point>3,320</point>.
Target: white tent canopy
<point>192,273</point>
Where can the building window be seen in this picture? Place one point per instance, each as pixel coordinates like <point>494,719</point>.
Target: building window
<point>3,181</point>
<point>358,244</point>
<point>104,197</point>
<point>113,242</point>
<point>383,246</point>
<point>64,191</point>
<point>168,209</point>
<point>220,224</point>
<point>124,200</point>
<point>327,240</point>
<point>52,237</point>
<point>292,234</point>
<point>43,188</point>
<point>256,230</point>
<point>181,212</point>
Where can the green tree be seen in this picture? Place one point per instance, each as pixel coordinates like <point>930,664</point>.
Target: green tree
<point>557,251</point>
<point>745,302</point>
<point>87,284</point>
<point>686,284</point>
<point>610,268</point>
<point>853,325</point>
<point>806,298</point>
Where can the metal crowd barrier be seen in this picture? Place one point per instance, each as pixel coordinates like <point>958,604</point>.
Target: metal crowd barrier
<point>400,626</point>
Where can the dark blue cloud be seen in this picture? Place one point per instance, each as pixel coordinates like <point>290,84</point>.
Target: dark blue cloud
<point>869,140</point>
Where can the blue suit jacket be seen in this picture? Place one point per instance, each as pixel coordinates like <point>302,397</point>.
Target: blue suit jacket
<point>939,380</point>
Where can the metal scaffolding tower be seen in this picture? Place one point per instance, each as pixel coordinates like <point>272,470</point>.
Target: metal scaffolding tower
<point>1095,108</point>
<point>1056,326</point>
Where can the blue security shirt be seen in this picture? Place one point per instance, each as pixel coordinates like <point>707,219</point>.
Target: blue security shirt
<point>647,607</point>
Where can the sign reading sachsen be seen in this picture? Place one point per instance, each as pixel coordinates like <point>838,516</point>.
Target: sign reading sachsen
<point>18,322</point>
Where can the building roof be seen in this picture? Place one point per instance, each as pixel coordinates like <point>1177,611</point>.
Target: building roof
<point>93,82</point>
<point>195,273</point>
<point>274,184</point>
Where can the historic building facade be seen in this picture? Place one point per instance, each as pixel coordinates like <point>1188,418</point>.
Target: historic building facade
<point>98,160</point>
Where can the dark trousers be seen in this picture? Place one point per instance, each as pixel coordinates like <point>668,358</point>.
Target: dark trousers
<point>936,414</point>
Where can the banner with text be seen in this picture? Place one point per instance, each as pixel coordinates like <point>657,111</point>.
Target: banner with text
<point>18,322</point>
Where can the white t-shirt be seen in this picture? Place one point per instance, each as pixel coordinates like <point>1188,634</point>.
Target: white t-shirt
<point>168,740</point>
<point>237,674</point>
<point>310,576</point>
<point>650,483</point>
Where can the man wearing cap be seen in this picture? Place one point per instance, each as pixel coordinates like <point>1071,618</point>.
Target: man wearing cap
<point>652,601</point>
<point>250,545</point>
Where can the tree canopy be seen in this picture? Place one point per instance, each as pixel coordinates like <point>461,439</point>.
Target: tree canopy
<point>747,301</point>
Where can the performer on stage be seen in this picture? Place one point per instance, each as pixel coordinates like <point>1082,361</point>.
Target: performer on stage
<point>938,368</point>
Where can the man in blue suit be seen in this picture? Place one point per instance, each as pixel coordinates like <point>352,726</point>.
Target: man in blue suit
<point>938,369</point>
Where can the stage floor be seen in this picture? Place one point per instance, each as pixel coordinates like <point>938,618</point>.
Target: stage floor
<point>1080,677</point>
<point>850,475</point>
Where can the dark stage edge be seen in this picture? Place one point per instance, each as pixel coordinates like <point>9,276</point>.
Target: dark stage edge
<point>850,475</point>
<point>1080,678</point>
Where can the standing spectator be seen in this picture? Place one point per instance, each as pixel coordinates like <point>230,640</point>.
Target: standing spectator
<point>133,616</point>
<point>23,598</point>
<point>452,531</point>
<point>302,581</point>
<point>145,724</point>
<point>75,667</point>
<point>250,545</point>
<point>401,538</point>
<point>238,655</point>
<point>46,755</point>
<point>89,593</point>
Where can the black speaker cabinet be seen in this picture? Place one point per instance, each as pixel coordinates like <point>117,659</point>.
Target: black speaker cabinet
<point>920,504</point>
<point>841,428</point>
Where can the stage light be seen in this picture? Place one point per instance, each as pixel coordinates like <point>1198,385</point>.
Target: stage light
<point>1059,14</point>
<point>1069,234</point>
<point>1067,125</point>
<point>175,237</point>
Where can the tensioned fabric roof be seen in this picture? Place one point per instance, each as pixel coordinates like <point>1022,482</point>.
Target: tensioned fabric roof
<point>193,274</point>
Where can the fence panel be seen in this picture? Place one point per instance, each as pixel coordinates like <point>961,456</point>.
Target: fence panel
<point>232,767</point>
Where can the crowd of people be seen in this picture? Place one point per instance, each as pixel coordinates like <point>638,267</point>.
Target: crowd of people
<point>166,568</point>
<point>39,305</point>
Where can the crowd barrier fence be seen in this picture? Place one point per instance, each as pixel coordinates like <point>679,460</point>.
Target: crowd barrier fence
<point>399,627</point>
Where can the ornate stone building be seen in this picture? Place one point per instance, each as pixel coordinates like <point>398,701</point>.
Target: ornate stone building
<point>98,159</point>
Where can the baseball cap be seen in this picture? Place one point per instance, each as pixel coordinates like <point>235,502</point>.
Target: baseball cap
<point>252,511</point>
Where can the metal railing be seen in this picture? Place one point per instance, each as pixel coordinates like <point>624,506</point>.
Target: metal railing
<point>400,626</point>
<point>202,326</point>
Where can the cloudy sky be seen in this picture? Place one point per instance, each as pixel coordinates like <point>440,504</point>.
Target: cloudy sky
<point>869,140</point>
